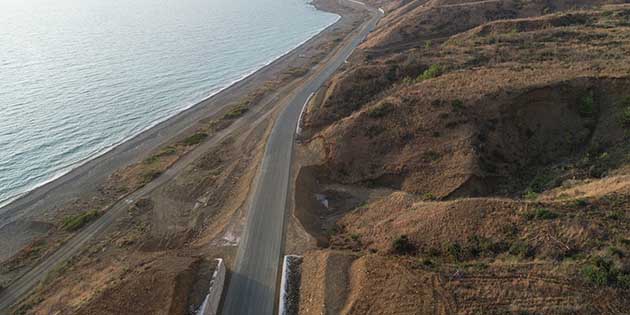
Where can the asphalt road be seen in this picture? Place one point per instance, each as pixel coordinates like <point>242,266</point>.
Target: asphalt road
<point>253,283</point>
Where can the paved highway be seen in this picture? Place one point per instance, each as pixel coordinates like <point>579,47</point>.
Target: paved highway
<point>253,283</point>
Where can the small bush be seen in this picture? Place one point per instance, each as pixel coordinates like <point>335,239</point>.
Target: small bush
<point>164,152</point>
<point>167,151</point>
<point>595,275</point>
<point>457,105</point>
<point>402,245</point>
<point>408,81</point>
<point>428,196</point>
<point>195,139</point>
<point>76,222</point>
<point>530,195</point>
<point>151,159</point>
<point>581,203</point>
<point>614,251</point>
<point>373,131</point>
<point>428,263</point>
<point>521,249</point>
<point>541,214</point>
<point>380,110</point>
<point>455,251</point>
<point>430,156</point>
<point>478,246</point>
<point>541,182</point>
<point>433,72</point>
<point>600,272</point>
<point>236,111</point>
<point>587,105</point>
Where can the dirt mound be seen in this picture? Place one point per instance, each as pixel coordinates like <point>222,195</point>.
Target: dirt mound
<point>161,287</point>
<point>323,290</point>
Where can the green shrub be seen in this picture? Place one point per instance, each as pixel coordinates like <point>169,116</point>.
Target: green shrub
<point>164,152</point>
<point>167,151</point>
<point>530,195</point>
<point>541,214</point>
<point>380,110</point>
<point>587,105</point>
<point>600,272</point>
<point>402,245</point>
<point>455,251</point>
<point>521,249</point>
<point>433,72</point>
<point>151,159</point>
<point>76,222</point>
<point>614,251</point>
<point>581,203</point>
<point>373,131</point>
<point>480,246</point>
<point>195,139</point>
<point>428,196</point>
<point>430,156</point>
<point>408,81</point>
<point>236,111</point>
<point>428,263</point>
<point>595,275</point>
<point>457,105</point>
<point>541,182</point>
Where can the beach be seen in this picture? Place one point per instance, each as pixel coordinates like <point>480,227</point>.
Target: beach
<point>34,214</point>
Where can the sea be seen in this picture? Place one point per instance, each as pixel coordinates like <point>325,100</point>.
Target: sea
<point>78,77</point>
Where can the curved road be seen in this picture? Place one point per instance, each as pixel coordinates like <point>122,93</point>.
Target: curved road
<point>253,283</point>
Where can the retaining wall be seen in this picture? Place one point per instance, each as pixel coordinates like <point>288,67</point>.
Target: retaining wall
<point>290,285</point>
<point>210,305</point>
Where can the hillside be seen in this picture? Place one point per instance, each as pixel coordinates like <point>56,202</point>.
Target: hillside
<point>475,159</point>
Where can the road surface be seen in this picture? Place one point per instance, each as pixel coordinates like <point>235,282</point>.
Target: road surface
<point>253,283</point>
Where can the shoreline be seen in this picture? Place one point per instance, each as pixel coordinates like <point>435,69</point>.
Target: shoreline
<point>129,150</point>
<point>9,203</point>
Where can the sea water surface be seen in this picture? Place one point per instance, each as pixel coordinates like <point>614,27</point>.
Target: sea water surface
<point>78,77</point>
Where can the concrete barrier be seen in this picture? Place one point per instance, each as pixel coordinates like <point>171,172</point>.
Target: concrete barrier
<point>210,304</point>
<point>290,285</point>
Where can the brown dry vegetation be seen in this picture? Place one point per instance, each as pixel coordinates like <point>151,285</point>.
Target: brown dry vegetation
<point>502,139</point>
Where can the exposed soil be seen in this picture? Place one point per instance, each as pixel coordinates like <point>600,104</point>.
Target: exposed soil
<point>477,157</point>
